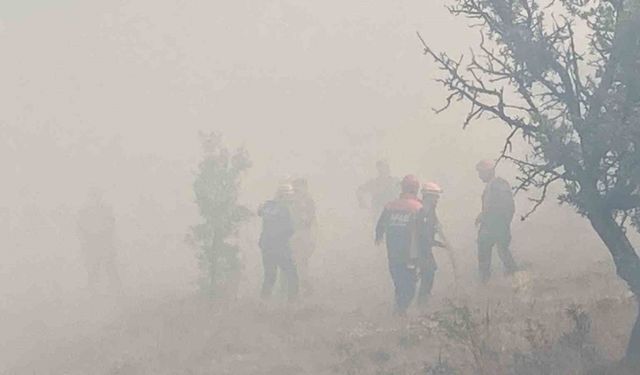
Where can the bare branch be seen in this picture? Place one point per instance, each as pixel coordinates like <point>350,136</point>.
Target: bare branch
<point>538,201</point>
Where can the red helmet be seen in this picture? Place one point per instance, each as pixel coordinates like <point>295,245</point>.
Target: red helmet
<point>410,184</point>
<point>431,188</point>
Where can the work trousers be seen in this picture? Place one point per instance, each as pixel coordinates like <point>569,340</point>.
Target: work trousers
<point>281,260</point>
<point>303,245</point>
<point>404,282</point>
<point>427,276</point>
<point>498,235</point>
<point>406,276</point>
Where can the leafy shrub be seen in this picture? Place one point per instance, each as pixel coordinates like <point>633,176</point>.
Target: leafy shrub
<point>216,187</point>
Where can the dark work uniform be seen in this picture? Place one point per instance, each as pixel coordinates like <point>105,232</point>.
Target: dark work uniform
<point>303,242</point>
<point>399,224</point>
<point>426,260</point>
<point>277,229</point>
<point>498,208</point>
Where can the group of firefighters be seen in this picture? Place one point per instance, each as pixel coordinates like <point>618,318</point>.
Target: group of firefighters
<point>405,220</point>
<point>407,223</point>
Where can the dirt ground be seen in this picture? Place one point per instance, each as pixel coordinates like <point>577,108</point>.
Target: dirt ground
<point>344,327</point>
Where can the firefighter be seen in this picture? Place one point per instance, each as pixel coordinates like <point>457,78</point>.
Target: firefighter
<point>277,230</point>
<point>381,189</point>
<point>429,219</point>
<point>303,242</point>
<point>400,226</point>
<point>494,221</point>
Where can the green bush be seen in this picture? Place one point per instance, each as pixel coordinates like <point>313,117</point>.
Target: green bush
<point>216,187</point>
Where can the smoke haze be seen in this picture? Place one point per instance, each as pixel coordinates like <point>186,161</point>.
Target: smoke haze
<point>112,94</point>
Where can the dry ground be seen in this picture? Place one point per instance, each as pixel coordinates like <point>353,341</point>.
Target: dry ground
<point>344,327</point>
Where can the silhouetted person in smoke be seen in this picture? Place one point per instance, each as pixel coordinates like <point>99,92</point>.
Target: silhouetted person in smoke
<point>303,241</point>
<point>498,208</point>
<point>277,229</point>
<point>402,228</point>
<point>381,190</point>
<point>96,232</point>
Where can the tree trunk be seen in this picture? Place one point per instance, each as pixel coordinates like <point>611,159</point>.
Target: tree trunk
<point>627,265</point>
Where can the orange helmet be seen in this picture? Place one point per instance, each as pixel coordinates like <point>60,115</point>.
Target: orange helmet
<point>410,184</point>
<point>431,188</point>
<point>485,165</point>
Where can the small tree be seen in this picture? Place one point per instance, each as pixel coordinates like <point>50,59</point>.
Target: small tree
<point>576,107</point>
<point>216,189</point>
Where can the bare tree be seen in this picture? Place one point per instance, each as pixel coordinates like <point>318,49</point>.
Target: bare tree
<point>574,101</point>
